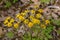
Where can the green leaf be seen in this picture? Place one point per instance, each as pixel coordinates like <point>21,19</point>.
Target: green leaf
<point>36,27</point>
<point>14,1</point>
<point>33,38</point>
<point>8,4</point>
<point>10,34</point>
<point>49,28</point>
<point>27,36</point>
<point>48,35</point>
<point>57,22</point>
<point>45,1</point>
<point>58,31</point>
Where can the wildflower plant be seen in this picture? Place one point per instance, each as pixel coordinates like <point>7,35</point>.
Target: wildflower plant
<point>42,27</point>
<point>10,34</point>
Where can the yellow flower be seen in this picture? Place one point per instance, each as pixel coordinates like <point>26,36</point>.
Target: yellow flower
<point>17,15</point>
<point>31,17</point>
<point>23,14</point>
<point>26,11</point>
<point>33,11</point>
<point>21,18</point>
<point>30,24</point>
<point>9,24</point>
<point>47,22</point>
<point>43,26</point>
<point>12,20</point>
<point>6,21</point>
<point>16,25</point>
<point>38,15</point>
<point>26,21</point>
<point>36,21</point>
<point>36,6</point>
<point>8,18</point>
<point>40,10</point>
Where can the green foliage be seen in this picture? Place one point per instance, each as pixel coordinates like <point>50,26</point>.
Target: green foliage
<point>8,4</point>
<point>45,1</point>
<point>40,33</point>
<point>10,34</point>
<point>27,36</point>
<point>57,22</point>
<point>46,33</point>
<point>58,31</point>
<point>14,1</point>
<point>36,28</point>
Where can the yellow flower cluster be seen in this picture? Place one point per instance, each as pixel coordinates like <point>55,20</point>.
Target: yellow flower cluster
<point>33,11</point>
<point>31,17</point>
<point>35,21</point>
<point>27,18</point>
<point>40,10</point>
<point>16,25</point>
<point>30,24</point>
<point>38,15</point>
<point>20,16</point>
<point>31,20</point>
<point>26,21</point>
<point>47,22</point>
<point>9,22</point>
<point>26,11</point>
